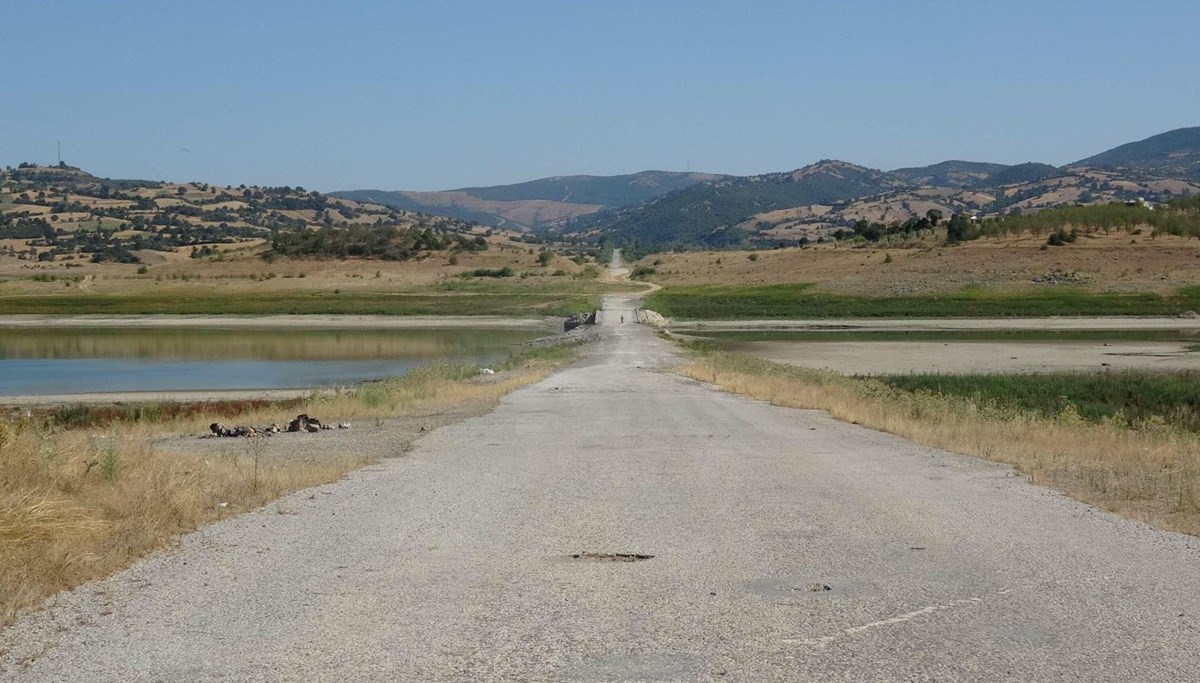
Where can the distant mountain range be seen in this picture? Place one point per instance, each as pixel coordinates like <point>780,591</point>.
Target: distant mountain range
<point>538,203</point>
<point>1174,154</point>
<point>663,208</point>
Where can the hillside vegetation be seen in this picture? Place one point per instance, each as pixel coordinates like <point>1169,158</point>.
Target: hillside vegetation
<point>707,215</point>
<point>538,203</point>
<point>813,203</point>
<point>1175,154</point>
<point>64,214</point>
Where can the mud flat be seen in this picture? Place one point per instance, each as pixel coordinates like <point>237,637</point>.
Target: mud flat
<point>905,357</point>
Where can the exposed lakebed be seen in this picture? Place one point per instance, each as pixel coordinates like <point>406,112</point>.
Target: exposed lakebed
<point>43,361</point>
<point>901,352</point>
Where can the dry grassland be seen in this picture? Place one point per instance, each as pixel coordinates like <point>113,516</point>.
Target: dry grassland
<point>1150,474</point>
<point>1118,261</point>
<point>79,504</point>
<point>241,270</point>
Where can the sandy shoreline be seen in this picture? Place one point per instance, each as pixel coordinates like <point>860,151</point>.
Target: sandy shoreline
<point>189,396</point>
<point>307,322</point>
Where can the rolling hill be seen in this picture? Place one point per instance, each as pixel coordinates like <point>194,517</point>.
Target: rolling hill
<point>816,201</point>
<point>950,173</point>
<point>708,214</point>
<point>1174,154</point>
<point>537,203</point>
<point>62,213</point>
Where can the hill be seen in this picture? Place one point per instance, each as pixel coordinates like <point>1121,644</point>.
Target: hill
<point>62,213</point>
<point>818,201</point>
<point>1021,173</point>
<point>537,203</point>
<point>1175,154</point>
<point>709,214</point>
<point>950,173</point>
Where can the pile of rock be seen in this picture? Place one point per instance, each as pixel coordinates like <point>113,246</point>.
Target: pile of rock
<point>302,423</point>
<point>579,319</point>
<point>219,429</point>
<point>1061,277</point>
<point>652,318</point>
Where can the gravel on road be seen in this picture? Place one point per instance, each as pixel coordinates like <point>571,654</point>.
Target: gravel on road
<point>617,522</point>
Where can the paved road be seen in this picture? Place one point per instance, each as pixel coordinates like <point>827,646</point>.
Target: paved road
<point>455,563</point>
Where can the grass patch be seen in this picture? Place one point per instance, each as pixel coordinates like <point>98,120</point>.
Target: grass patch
<point>76,505</point>
<point>1133,398</point>
<point>349,303</point>
<point>1150,473</point>
<point>801,301</point>
<point>723,337</point>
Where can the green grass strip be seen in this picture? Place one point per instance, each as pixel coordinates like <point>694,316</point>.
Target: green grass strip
<point>1134,397</point>
<point>800,301</point>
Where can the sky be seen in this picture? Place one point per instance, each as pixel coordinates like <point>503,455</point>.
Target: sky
<point>443,94</point>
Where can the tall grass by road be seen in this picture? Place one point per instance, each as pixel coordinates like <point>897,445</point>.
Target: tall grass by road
<point>1150,473</point>
<point>84,492</point>
<point>1135,398</point>
<point>802,301</point>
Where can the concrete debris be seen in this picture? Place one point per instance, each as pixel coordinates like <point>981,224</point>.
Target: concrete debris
<point>579,319</point>
<point>302,423</point>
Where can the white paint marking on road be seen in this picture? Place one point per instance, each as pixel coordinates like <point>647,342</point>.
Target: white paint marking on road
<point>822,641</point>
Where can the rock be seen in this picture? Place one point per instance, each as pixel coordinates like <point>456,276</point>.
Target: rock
<point>304,423</point>
<point>579,319</point>
<point>343,425</point>
<point>486,371</point>
<point>652,318</point>
<point>1190,315</point>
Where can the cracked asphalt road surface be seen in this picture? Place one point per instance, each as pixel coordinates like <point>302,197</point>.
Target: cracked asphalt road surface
<point>786,546</point>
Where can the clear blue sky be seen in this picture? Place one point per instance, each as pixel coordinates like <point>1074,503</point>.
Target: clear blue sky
<point>441,94</point>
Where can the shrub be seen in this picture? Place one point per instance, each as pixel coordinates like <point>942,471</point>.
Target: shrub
<point>492,272</point>
<point>1061,237</point>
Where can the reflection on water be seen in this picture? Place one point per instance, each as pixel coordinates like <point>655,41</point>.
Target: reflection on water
<point>67,361</point>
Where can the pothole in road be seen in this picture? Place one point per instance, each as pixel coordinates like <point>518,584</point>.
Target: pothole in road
<point>794,587</point>
<point>816,587</point>
<point>610,557</point>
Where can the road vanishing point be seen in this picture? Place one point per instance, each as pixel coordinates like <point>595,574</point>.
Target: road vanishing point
<point>617,522</point>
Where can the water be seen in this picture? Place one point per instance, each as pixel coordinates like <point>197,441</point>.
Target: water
<point>72,361</point>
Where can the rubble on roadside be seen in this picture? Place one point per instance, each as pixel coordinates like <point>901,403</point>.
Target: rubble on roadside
<point>301,423</point>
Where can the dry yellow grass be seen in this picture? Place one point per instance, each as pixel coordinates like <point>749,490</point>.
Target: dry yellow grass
<point>76,505</point>
<point>1152,474</point>
<point>242,270</point>
<point>1118,261</point>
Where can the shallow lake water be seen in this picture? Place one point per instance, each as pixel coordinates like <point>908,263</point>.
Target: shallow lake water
<point>73,361</point>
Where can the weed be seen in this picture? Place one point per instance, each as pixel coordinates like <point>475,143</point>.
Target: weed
<point>110,463</point>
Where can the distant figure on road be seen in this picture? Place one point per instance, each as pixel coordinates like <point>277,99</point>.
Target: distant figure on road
<point>622,320</point>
